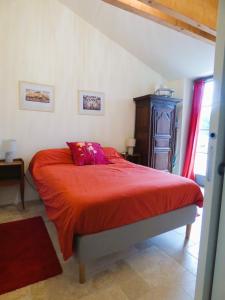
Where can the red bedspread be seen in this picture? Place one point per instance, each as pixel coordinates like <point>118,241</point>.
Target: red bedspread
<point>89,199</point>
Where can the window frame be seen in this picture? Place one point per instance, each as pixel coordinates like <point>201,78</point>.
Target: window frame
<point>199,178</point>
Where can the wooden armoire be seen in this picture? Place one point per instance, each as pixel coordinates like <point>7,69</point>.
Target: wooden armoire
<point>155,131</point>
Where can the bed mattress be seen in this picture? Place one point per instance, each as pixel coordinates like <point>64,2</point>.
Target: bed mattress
<point>88,199</point>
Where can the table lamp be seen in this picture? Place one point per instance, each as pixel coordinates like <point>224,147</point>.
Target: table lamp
<point>130,145</point>
<point>10,150</point>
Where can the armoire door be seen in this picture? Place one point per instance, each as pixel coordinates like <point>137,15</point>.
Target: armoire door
<point>142,130</point>
<point>163,135</point>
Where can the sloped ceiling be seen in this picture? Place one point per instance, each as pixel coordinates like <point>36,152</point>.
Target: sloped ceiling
<point>172,54</point>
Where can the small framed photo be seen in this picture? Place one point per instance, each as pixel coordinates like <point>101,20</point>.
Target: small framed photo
<point>33,96</point>
<point>91,103</point>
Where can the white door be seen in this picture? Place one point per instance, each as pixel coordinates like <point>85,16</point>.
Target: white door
<point>218,288</point>
<point>211,276</point>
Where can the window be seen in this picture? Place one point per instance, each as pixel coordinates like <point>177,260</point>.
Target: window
<point>203,136</point>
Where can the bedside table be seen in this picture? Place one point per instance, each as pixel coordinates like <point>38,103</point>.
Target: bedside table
<point>134,158</point>
<point>13,173</point>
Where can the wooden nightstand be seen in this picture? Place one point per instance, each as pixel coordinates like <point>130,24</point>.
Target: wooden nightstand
<point>134,158</point>
<point>13,173</point>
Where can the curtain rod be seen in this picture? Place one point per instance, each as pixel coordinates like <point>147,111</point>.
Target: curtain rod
<point>206,78</point>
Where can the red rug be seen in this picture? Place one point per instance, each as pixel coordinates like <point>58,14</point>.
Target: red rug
<point>26,254</point>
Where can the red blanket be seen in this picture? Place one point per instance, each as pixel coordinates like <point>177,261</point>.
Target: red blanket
<point>89,199</point>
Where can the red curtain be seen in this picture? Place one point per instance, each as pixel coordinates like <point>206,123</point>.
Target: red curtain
<point>188,168</point>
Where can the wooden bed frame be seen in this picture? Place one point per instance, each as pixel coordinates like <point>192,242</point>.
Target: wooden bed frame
<point>92,246</point>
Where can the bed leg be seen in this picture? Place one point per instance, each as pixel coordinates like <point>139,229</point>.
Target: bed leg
<point>82,278</point>
<point>188,231</point>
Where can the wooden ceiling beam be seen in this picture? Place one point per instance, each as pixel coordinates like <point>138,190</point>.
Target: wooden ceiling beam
<point>148,12</point>
<point>201,14</point>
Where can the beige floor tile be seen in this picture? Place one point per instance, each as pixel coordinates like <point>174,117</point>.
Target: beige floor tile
<point>188,282</point>
<point>123,271</point>
<point>152,259</point>
<point>166,293</point>
<point>112,293</point>
<point>134,288</point>
<point>171,242</point>
<point>39,291</point>
<point>123,276</point>
<point>144,245</point>
<point>10,213</point>
<point>188,261</point>
<point>180,230</point>
<point>114,275</point>
<point>161,268</point>
<point>102,280</point>
<point>184,254</point>
<point>145,259</point>
<point>15,212</point>
<point>110,261</point>
<point>163,272</point>
<point>193,250</point>
<point>64,288</point>
<point>20,294</point>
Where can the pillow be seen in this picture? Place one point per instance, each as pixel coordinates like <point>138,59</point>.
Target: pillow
<point>87,153</point>
<point>111,153</point>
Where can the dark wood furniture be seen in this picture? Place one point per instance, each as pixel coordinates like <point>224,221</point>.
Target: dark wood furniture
<point>134,158</point>
<point>13,173</point>
<point>155,131</point>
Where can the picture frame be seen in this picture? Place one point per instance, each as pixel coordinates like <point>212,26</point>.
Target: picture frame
<point>91,103</point>
<point>35,96</point>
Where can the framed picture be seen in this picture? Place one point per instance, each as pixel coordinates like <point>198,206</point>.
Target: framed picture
<point>91,103</point>
<point>33,96</point>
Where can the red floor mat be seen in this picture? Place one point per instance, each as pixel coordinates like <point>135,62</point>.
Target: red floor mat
<point>26,254</point>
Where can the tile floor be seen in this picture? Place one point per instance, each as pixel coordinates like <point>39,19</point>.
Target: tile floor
<point>161,268</point>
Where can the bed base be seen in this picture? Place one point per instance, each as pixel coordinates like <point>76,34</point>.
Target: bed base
<point>92,246</point>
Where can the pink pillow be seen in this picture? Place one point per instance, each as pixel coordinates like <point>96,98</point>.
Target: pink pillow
<point>111,153</point>
<point>87,153</point>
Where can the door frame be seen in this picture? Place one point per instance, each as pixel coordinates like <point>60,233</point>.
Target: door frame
<point>214,181</point>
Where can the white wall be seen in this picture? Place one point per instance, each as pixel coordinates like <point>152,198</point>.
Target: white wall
<point>169,52</point>
<point>43,41</point>
<point>183,90</point>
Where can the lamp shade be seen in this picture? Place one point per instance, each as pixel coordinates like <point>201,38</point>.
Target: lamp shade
<point>131,142</point>
<point>9,145</point>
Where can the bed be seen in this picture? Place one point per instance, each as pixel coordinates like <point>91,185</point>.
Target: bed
<point>107,208</point>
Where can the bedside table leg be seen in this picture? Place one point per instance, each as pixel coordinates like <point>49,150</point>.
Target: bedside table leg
<point>22,193</point>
